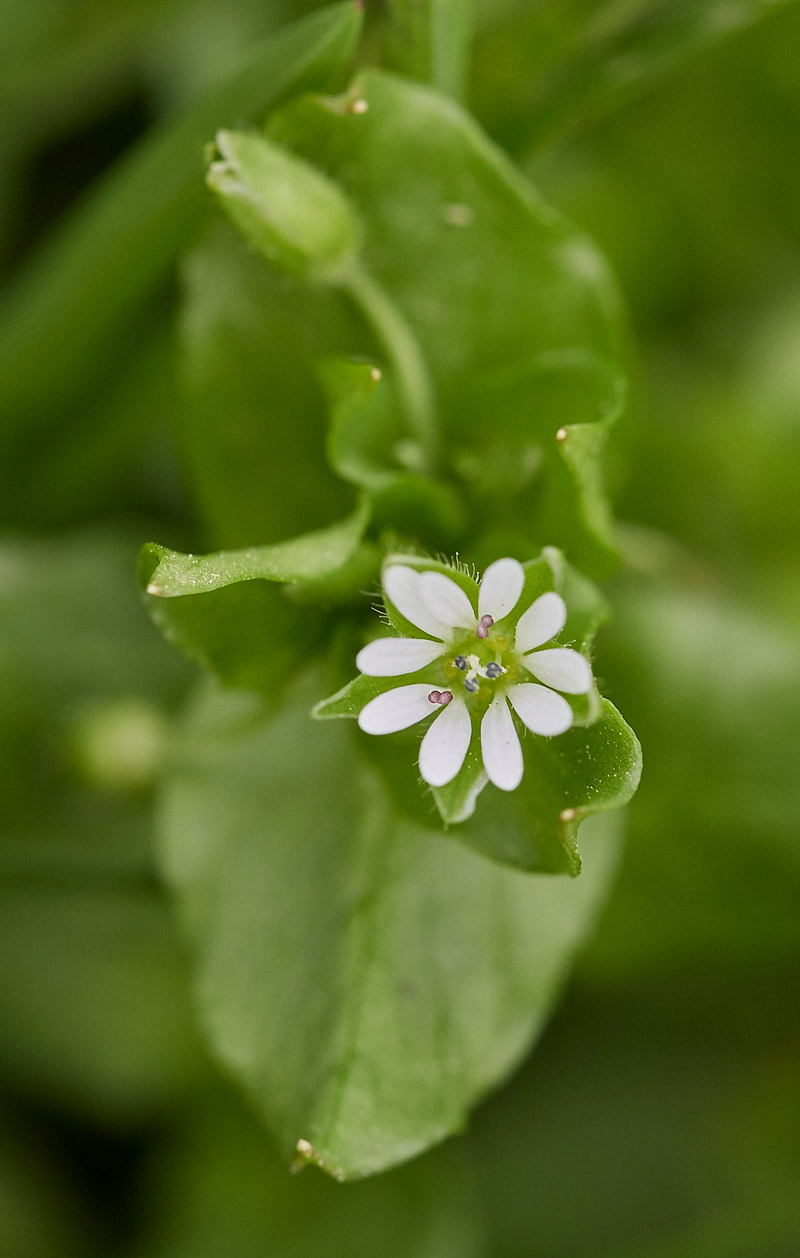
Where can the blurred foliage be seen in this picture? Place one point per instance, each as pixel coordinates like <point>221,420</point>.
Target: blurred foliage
<point>659,1118</point>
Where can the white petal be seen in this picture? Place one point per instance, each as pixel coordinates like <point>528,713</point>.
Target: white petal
<point>562,668</point>
<point>500,588</point>
<point>402,588</point>
<point>542,621</point>
<point>396,709</point>
<point>445,744</point>
<point>391,657</point>
<point>542,710</point>
<point>446,601</point>
<point>500,746</point>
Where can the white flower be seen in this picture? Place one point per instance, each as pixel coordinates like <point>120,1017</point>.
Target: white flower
<point>464,644</point>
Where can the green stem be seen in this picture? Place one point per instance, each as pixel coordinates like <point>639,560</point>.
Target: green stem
<point>403,352</point>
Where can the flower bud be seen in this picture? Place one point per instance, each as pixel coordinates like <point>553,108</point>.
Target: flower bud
<point>296,217</point>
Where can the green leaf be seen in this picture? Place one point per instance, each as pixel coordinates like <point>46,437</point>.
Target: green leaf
<point>67,324</point>
<point>431,40</point>
<point>367,445</point>
<point>224,612</point>
<point>488,294</point>
<point>367,980</point>
<point>298,559</point>
<point>585,771</point>
<point>254,422</point>
<point>551,416</point>
<point>248,634</point>
<point>291,214</point>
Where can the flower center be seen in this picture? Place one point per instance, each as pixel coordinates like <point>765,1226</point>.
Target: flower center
<point>484,657</point>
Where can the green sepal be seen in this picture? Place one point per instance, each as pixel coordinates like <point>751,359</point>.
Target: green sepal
<point>354,696</point>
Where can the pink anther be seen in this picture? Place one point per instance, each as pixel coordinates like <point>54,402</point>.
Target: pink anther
<point>484,625</point>
<point>442,697</point>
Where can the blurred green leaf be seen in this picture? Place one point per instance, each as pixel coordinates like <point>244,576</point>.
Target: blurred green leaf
<point>95,1018</point>
<point>550,69</point>
<point>254,422</point>
<point>652,1121</point>
<point>64,326</point>
<point>430,40</point>
<point>483,278</point>
<point>39,1218</point>
<point>71,629</point>
<point>76,651</point>
<point>121,449</point>
<point>367,980</point>
<point>219,1187</point>
<point>713,865</point>
<point>84,50</point>
<point>95,1011</point>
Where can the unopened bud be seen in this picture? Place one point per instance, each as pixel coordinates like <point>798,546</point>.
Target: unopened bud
<point>294,215</point>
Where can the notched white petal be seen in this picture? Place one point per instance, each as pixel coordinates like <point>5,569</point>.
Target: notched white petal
<point>500,746</point>
<point>500,588</point>
<point>445,744</point>
<point>396,709</point>
<point>403,589</point>
<point>391,657</point>
<point>542,710</point>
<point>446,601</point>
<point>544,619</point>
<point>562,668</point>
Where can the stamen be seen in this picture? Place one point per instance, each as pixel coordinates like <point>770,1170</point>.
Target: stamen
<point>472,685</point>
<point>461,662</point>
<point>484,625</point>
<point>494,670</point>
